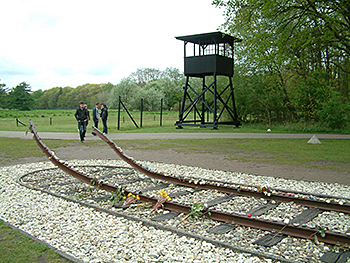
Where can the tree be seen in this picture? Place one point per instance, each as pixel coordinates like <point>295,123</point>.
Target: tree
<point>152,94</point>
<point>108,87</point>
<point>300,49</point>
<point>144,75</point>
<point>36,95</point>
<point>65,100</point>
<point>172,91</point>
<point>20,98</point>
<point>128,90</point>
<point>174,74</point>
<point>104,96</point>
<point>334,113</point>
<point>3,95</point>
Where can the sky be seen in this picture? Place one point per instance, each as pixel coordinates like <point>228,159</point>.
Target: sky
<point>59,43</point>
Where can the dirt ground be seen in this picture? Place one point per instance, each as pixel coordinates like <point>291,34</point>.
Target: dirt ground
<point>204,160</point>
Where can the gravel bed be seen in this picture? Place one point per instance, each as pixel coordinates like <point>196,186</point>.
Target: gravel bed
<point>93,236</point>
<point>316,188</point>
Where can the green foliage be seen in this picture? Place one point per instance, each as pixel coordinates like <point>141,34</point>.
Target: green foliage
<point>294,54</point>
<point>128,91</point>
<point>68,97</point>
<point>164,85</point>
<point>16,247</point>
<point>144,84</point>
<point>334,113</point>
<point>144,75</point>
<point>119,195</point>
<point>197,210</point>
<point>152,94</point>
<point>20,98</point>
<point>3,95</point>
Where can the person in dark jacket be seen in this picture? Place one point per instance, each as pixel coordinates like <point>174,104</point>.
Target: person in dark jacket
<point>95,116</point>
<point>104,116</point>
<point>88,119</point>
<point>81,116</point>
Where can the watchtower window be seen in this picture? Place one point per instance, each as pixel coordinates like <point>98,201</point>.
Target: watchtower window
<point>221,49</point>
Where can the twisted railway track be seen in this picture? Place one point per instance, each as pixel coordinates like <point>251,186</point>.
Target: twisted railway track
<point>227,193</point>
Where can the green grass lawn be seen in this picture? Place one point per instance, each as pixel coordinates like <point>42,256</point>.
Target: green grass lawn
<point>331,154</point>
<point>64,121</point>
<point>16,247</point>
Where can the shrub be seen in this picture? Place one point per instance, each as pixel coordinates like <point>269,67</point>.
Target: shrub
<point>334,113</point>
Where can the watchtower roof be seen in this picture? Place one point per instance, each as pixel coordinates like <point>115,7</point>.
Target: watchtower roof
<point>209,38</point>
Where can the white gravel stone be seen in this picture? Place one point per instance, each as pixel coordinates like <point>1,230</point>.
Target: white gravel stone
<point>93,236</point>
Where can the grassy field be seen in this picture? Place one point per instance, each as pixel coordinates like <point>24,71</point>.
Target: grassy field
<point>16,247</point>
<point>331,154</point>
<point>64,121</point>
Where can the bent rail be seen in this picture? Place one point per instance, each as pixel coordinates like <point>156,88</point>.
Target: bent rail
<point>345,208</point>
<point>93,181</point>
<point>302,232</point>
<point>330,237</point>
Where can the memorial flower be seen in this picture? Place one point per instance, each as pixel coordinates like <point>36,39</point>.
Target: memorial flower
<point>131,198</point>
<point>163,196</point>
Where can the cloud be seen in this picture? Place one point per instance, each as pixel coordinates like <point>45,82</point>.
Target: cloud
<point>9,67</point>
<point>69,43</point>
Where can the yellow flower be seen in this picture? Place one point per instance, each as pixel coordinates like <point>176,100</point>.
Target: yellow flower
<point>138,197</point>
<point>130,194</point>
<point>124,197</point>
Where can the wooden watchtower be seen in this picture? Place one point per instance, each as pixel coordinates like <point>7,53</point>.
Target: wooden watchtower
<point>209,54</point>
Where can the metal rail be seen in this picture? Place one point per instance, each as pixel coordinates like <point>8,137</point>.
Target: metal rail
<point>302,232</point>
<point>333,206</point>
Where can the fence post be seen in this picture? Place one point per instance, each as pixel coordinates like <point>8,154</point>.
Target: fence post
<point>18,121</point>
<point>141,113</point>
<point>161,111</point>
<point>50,121</point>
<point>118,114</point>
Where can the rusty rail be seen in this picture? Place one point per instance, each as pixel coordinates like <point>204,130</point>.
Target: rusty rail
<point>302,232</point>
<point>345,208</point>
<point>85,178</point>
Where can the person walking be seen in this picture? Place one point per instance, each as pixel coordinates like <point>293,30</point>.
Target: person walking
<point>81,116</point>
<point>95,116</point>
<point>87,120</point>
<point>104,116</point>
